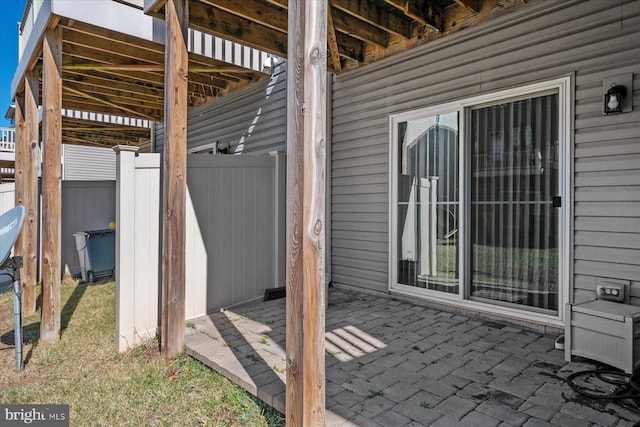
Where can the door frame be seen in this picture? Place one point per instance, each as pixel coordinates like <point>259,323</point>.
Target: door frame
<point>564,88</point>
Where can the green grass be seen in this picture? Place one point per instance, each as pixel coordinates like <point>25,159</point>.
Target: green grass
<point>105,388</point>
<point>526,269</point>
<point>521,268</point>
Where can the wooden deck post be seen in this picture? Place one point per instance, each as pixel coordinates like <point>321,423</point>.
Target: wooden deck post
<point>51,183</point>
<point>174,177</point>
<point>29,273</point>
<point>306,145</point>
<point>21,165</point>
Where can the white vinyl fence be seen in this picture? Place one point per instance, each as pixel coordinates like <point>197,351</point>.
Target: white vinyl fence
<point>234,229</point>
<point>7,196</point>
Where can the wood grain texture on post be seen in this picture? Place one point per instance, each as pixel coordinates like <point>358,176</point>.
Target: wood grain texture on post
<point>20,165</point>
<point>174,191</point>
<point>29,273</point>
<point>295,164</point>
<point>306,136</point>
<point>51,187</point>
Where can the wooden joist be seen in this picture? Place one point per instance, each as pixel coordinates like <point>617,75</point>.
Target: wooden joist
<point>111,35</point>
<point>120,98</point>
<point>426,12</point>
<point>350,47</point>
<point>107,101</point>
<point>332,41</point>
<point>74,53</point>
<point>358,29</point>
<point>99,81</point>
<point>109,47</point>
<point>375,15</point>
<point>382,27</point>
<point>253,10</point>
<point>279,3</point>
<point>470,5</point>
<point>221,23</point>
<point>155,79</point>
<point>117,96</point>
<point>108,72</point>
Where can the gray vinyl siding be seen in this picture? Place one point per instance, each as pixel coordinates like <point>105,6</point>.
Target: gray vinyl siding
<point>591,40</point>
<point>159,138</point>
<point>82,163</point>
<point>251,120</point>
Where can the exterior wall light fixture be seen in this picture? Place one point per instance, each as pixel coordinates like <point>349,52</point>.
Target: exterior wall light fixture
<point>617,92</point>
<point>613,99</point>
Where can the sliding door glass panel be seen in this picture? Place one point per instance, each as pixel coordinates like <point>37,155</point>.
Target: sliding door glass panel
<point>428,203</point>
<point>514,225</point>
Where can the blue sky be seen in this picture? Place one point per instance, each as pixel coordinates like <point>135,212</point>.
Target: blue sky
<point>10,13</point>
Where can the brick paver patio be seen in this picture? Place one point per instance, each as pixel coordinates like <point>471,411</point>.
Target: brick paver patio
<point>394,363</point>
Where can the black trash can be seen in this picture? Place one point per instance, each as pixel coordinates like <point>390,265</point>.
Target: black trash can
<point>97,254</point>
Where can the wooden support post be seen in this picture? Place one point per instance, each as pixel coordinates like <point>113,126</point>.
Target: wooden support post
<point>174,177</point>
<point>306,145</point>
<point>51,183</point>
<point>21,165</point>
<point>29,273</point>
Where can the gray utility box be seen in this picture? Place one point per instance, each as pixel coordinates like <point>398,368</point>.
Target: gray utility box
<point>606,331</point>
<point>97,254</point>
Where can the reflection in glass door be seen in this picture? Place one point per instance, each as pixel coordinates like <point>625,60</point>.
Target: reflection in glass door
<point>514,183</point>
<point>428,203</point>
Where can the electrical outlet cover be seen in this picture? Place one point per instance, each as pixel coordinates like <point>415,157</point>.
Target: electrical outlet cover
<point>622,286</point>
<point>610,292</point>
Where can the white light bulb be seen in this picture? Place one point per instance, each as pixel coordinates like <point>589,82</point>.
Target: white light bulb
<point>613,102</point>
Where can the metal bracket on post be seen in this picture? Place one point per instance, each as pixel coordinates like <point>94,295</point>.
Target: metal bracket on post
<point>13,263</point>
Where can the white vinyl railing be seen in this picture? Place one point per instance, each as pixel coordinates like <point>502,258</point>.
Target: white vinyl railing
<point>107,118</point>
<point>227,51</point>
<point>7,139</point>
<point>7,151</point>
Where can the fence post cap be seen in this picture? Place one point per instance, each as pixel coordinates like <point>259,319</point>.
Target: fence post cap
<point>131,148</point>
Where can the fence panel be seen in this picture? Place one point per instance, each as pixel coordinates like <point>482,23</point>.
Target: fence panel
<point>234,214</point>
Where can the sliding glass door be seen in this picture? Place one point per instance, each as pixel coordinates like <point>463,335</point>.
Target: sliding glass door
<point>476,208</point>
<point>428,204</point>
<point>514,184</point>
